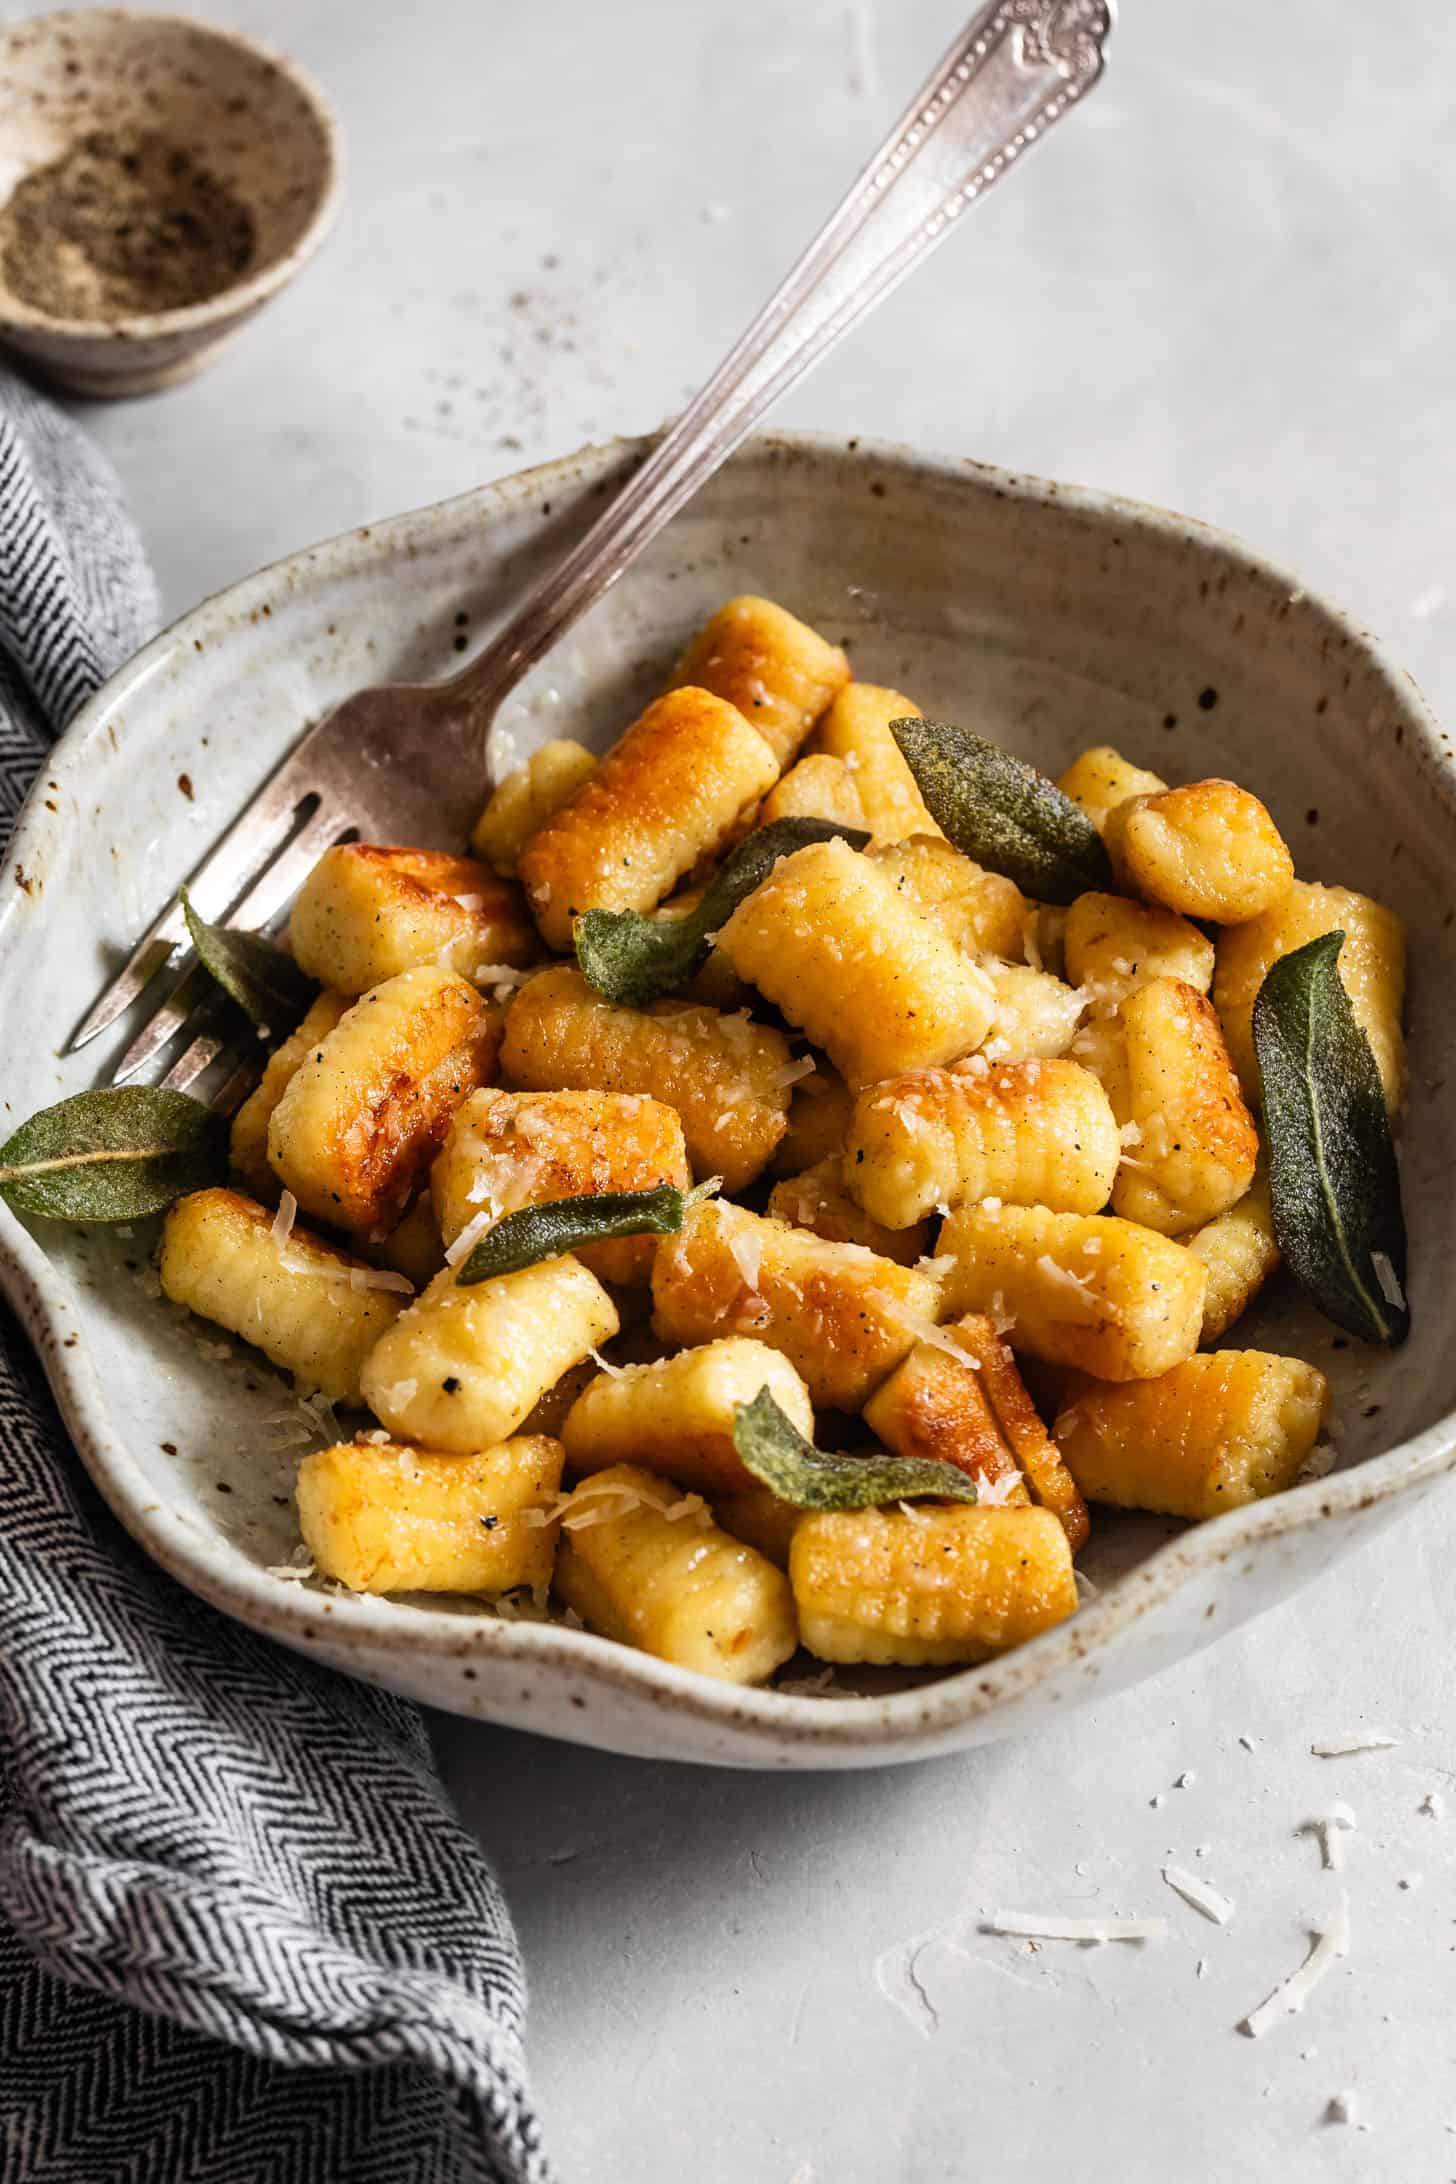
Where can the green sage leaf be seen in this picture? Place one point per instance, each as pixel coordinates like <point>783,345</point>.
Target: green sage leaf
<point>113,1155</point>
<point>634,959</point>
<point>775,1451</point>
<point>545,1232</point>
<point>261,977</point>
<point>1333,1179</point>
<point>1003,813</point>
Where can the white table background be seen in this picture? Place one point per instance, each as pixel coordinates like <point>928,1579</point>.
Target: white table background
<point>1226,286</point>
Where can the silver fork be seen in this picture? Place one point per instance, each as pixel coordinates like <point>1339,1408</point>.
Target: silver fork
<point>409,762</point>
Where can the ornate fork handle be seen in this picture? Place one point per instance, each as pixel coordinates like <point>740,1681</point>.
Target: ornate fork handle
<point>1014,71</point>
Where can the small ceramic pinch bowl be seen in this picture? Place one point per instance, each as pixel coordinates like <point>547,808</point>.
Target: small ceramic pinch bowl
<point>255,125</point>
<point>1050,619</point>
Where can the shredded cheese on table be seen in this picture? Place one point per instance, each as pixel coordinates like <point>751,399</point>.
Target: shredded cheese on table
<point>1356,1740</point>
<point>1199,1895</point>
<point>1034,1926</point>
<point>1290,1996</point>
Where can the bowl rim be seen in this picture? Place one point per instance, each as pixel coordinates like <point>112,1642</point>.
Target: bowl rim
<point>925,1714</point>
<point>240,297</point>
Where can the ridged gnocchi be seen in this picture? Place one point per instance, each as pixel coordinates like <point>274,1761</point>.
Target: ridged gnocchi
<point>526,798</point>
<point>505,1150</point>
<point>313,1310</point>
<point>1101,779</point>
<point>829,940</point>
<point>676,1416</point>
<point>1031,1133</point>
<point>856,729</point>
<point>1113,945</point>
<point>366,913</point>
<point>820,1201</point>
<point>365,1112</point>
<point>389,1518</point>
<point>818,787</point>
<point>726,1076</point>
<point>930,1585</point>
<point>979,912</point>
<point>637,1566</point>
<point>1371,966</point>
<point>669,793</point>
<point>465,1366</point>
<point>1240,1253</point>
<point>1208,850</point>
<point>1214,1433</point>
<point>248,1146</point>
<point>1191,1143</point>
<point>842,1315</point>
<point>1088,1290</point>
<point>778,672</point>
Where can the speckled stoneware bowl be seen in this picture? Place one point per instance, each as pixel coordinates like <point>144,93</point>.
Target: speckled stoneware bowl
<point>1050,618</point>
<point>252,120</point>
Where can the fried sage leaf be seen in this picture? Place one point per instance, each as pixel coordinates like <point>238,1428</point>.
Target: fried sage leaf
<point>1003,813</point>
<point>265,982</point>
<point>775,1451</point>
<point>634,959</point>
<point>1333,1178</point>
<point>113,1155</point>
<point>561,1224</point>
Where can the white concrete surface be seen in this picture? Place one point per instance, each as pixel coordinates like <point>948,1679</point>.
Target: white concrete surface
<point>1226,286</point>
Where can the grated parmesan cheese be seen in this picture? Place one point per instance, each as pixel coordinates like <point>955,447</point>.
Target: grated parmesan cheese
<point>793,1072</point>
<point>1198,1893</point>
<point>284,1219</point>
<point>1033,1926</point>
<point>1290,1996</point>
<point>469,902</point>
<point>470,1236</point>
<point>1388,1279</point>
<point>605,1365</point>
<point>1355,1740</point>
<point>1328,1828</point>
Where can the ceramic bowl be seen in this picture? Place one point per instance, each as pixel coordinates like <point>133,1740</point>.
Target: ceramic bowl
<point>1049,618</point>
<point>255,122</point>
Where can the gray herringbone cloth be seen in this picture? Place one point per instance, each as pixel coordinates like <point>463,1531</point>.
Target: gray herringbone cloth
<point>242,1938</point>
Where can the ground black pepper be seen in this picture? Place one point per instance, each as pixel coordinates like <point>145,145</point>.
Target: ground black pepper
<point>121,225</point>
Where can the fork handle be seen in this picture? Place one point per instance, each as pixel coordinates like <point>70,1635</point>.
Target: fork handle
<point>1017,68</point>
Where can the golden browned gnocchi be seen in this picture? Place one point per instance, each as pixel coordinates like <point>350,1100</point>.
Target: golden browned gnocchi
<point>727,1077</point>
<point>1191,1143</point>
<point>1215,1432</point>
<point>505,1150</point>
<point>1032,1133</point>
<point>1089,1290</point>
<point>1112,945</point>
<point>820,1200</point>
<point>670,793</point>
<point>856,729</point>
<point>778,672</point>
<point>842,1315</point>
<point>978,912</point>
<point>818,787</point>
<point>387,1518</point>
<point>365,1112</point>
<point>676,1416</point>
<point>1017,1177</point>
<point>1208,850</point>
<point>313,1310</point>
<point>930,1584</point>
<point>829,940</point>
<point>1102,778</point>
<point>248,1148</point>
<point>526,798</point>
<point>1240,1253</point>
<point>465,1366</point>
<point>365,914</point>
<point>640,1564</point>
<point>1371,966</point>
<point>1037,1014</point>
